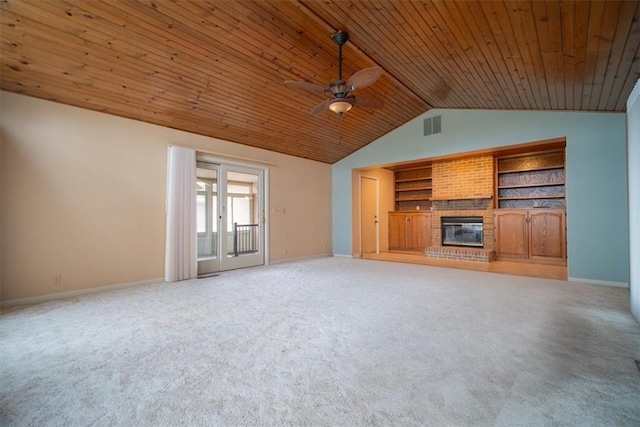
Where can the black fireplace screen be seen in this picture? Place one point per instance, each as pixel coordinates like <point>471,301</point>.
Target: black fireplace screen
<point>462,231</point>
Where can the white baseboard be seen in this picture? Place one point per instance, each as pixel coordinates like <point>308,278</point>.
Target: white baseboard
<point>75,293</point>
<point>599,282</point>
<point>343,255</point>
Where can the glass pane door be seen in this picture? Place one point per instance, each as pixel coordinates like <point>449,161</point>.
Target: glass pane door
<point>207,217</point>
<point>243,215</point>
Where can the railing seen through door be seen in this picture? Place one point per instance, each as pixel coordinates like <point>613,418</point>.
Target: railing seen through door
<point>245,239</point>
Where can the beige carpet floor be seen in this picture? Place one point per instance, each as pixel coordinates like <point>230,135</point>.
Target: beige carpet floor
<point>326,342</point>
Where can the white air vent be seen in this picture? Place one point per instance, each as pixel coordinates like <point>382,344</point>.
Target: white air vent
<point>432,125</point>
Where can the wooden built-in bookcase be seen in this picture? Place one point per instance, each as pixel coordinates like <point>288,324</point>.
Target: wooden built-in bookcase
<point>530,222</point>
<point>531,181</point>
<point>413,188</point>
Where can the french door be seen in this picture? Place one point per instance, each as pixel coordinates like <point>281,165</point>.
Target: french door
<point>230,217</point>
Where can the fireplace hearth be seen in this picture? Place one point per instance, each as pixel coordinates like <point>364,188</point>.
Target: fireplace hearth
<point>462,231</point>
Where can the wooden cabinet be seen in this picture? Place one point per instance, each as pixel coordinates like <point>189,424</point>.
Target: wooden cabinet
<point>547,237</point>
<point>531,234</point>
<point>413,188</point>
<point>409,231</point>
<point>511,233</point>
<point>397,231</point>
<point>531,181</point>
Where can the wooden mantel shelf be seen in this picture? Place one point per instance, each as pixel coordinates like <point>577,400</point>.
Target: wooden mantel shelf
<point>444,199</point>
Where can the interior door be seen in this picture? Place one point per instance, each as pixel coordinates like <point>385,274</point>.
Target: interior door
<point>369,222</point>
<point>242,217</point>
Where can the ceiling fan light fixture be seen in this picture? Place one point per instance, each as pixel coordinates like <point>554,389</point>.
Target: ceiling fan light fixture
<point>340,106</point>
<point>341,90</point>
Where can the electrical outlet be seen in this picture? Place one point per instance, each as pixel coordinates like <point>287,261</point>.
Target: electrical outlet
<point>57,280</point>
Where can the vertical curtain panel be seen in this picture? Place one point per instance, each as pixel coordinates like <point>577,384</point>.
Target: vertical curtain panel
<point>181,248</point>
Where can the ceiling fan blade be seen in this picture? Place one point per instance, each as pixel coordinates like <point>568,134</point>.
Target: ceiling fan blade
<point>306,86</point>
<point>364,78</point>
<point>367,102</point>
<point>321,107</point>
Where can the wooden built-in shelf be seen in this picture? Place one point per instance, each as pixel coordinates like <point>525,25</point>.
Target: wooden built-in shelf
<point>406,199</point>
<point>541,168</point>
<point>532,197</point>
<point>412,179</point>
<point>413,188</point>
<point>531,180</point>
<point>546,184</point>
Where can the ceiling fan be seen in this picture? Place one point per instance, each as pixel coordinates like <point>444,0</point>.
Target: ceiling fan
<point>342,98</point>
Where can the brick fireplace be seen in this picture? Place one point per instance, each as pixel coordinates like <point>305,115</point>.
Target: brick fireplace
<point>476,207</point>
<point>463,188</point>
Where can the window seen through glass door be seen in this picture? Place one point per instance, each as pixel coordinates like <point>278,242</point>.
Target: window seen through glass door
<point>207,212</point>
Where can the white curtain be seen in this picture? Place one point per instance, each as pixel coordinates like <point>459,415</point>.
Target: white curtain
<point>181,250</point>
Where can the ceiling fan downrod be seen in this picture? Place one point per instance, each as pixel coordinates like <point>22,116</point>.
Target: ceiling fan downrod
<point>340,38</point>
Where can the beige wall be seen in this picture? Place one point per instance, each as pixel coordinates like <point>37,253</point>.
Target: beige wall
<point>386,204</point>
<point>83,196</point>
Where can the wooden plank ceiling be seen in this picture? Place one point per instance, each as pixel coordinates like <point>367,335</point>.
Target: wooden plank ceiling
<point>217,67</point>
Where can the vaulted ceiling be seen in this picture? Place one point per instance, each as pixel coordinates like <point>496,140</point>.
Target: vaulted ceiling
<point>217,67</point>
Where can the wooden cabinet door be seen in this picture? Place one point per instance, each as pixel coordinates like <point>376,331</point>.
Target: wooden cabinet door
<point>511,233</point>
<point>418,231</point>
<point>547,235</point>
<point>397,231</point>
<point>426,237</point>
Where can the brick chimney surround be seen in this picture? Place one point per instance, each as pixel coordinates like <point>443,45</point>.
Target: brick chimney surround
<point>462,188</point>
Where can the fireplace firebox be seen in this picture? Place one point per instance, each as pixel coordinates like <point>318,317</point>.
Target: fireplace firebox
<point>462,231</point>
